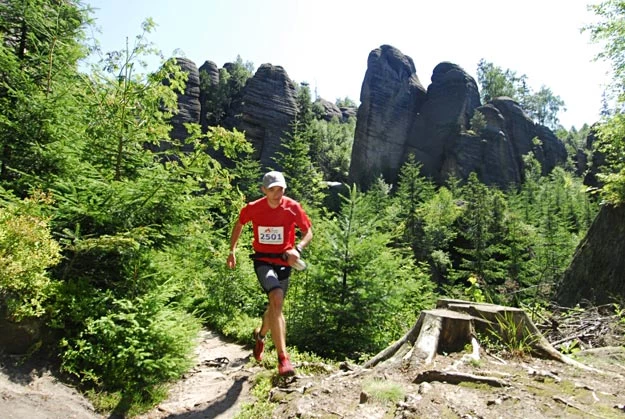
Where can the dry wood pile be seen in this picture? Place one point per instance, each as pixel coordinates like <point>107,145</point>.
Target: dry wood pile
<point>570,329</point>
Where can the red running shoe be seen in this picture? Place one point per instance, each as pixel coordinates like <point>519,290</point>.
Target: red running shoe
<point>285,369</point>
<point>259,345</point>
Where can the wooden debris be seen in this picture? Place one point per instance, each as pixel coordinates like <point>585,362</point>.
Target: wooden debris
<point>457,377</point>
<point>401,347</point>
<point>587,328</point>
<point>442,330</point>
<point>574,406</point>
<point>491,315</point>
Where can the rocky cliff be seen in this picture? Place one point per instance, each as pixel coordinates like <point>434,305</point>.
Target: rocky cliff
<point>209,83</point>
<point>330,111</point>
<point>265,112</point>
<point>189,102</point>
<point>391,97</point>
<point>396,119</point>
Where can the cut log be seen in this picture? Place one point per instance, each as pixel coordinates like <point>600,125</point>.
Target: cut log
<point>406,343</point>
<point>435,331</point>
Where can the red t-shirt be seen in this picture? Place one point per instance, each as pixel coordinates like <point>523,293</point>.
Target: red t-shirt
<point>274,228</point>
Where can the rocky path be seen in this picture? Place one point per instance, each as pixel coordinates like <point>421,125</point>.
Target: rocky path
<point>216,387</point>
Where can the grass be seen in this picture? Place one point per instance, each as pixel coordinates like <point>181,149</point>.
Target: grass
<point>262,408</point>
<point>114,401</point>
<point>383,391</point>
<point>511,336</point>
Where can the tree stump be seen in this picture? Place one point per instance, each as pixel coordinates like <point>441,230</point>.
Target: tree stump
<point>442,330</point>
<point>456,324</point>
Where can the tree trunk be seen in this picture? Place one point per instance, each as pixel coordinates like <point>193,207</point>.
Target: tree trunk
<point>599,256</point>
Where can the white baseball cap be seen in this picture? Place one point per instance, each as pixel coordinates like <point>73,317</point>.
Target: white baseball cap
<point>274,178</point>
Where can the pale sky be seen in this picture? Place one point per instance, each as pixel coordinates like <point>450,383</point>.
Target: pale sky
<point>326,42</point>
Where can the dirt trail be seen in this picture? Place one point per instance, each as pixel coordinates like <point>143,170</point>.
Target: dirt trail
<point>215,387</point>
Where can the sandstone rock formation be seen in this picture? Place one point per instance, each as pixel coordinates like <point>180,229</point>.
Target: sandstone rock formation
<point>549,150</point>
<point>330,110</point>
<point>209,82</point>
<point>349,112</point>
<point>391,97</point>
<point>444,117</point>
<point>266,111</point>
<point>597,161</point>
<point>395,120</point>
<point>189,102</point>
<point>496,152</point>
<point>397,117</point>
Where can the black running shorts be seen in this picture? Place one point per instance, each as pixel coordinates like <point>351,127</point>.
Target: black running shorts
<point>272,276</point>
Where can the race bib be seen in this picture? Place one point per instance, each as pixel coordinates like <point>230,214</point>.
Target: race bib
<point>270,235</point>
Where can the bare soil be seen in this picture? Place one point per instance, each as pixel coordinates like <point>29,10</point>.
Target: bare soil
<point>490,388</point>
<point>219,383</point>
<point>31,391</point>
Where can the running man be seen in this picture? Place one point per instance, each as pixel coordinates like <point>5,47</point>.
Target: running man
<point>274,220</point>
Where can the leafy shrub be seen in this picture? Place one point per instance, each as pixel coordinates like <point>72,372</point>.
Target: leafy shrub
<point>27,250</point>
<point>358,294</point>
<point>228,301</point>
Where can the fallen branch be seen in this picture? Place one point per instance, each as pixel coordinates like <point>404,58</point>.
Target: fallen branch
<point>457,378</point>
<point>569,404</point>
<point>569,338</point>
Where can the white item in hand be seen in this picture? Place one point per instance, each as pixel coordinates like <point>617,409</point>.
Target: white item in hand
<point>299,265</point>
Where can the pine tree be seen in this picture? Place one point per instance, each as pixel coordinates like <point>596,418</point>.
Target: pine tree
<point>439,215</point>
<point>330,147</point>
<point>245,173</point>
<point>478,234</point>
<point>39,55</point>
<point>522,271</point>
<point>549,214</point>
<point>412,191</point>
<point>117,206</point>
<point>303,179</point>
<point>358,294</point>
